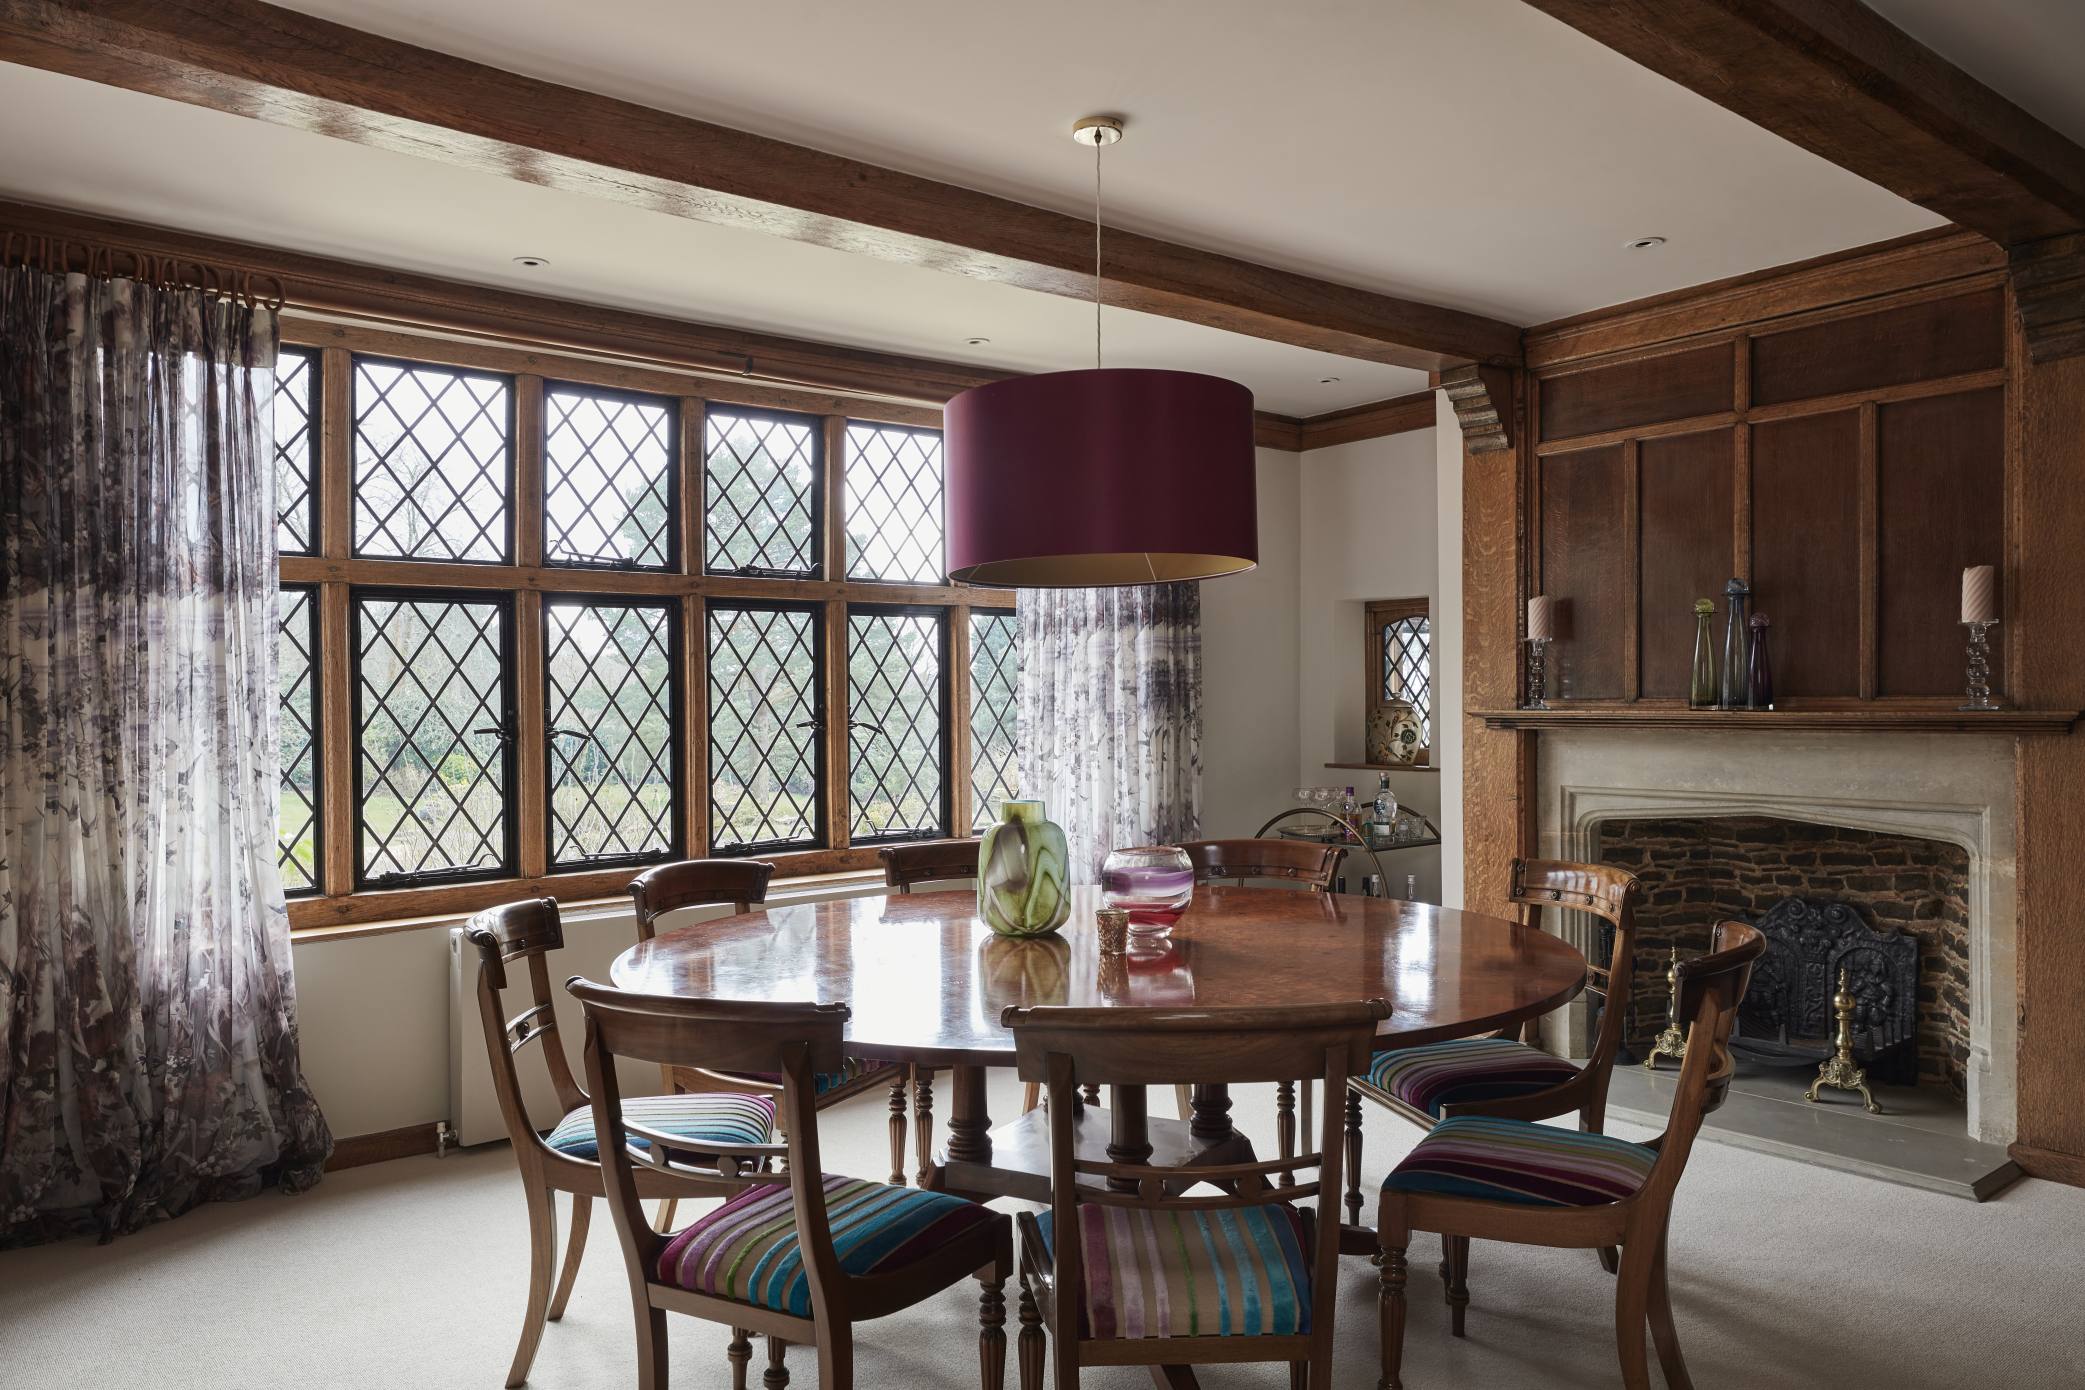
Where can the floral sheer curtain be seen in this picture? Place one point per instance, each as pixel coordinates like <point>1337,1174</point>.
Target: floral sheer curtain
<point>150,1055</point>
<point>1111,715</point>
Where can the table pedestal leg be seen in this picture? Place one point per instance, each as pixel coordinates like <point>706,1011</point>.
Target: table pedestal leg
<point>1212,1113</point>
<point>1129,1136</point>
<point>969,1124</point>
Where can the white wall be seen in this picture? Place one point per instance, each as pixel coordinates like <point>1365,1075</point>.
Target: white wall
<point>1249,660</point>
<point>1368,522</point>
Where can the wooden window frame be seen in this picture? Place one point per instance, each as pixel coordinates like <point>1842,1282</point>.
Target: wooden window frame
<point>525,581</point>
<point>1380,614</point>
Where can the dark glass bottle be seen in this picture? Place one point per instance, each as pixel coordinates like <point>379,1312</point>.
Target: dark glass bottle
<point>1738,596</point>
<point>1759,671</point>
<point>1701,688</point>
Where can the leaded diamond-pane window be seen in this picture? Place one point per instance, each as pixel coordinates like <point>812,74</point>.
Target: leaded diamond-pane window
<point>896,784</point>
<point>995,671</point>
<point>296,726</point>
<point>610,712</point>
<point>766,709</point>
<point>1407,668</point>
<point>433,462</point>
<point>894,507</point>
<point>296,451</point>
<point>761,506</point>
<point>432,711</point>
<point>607,478</point>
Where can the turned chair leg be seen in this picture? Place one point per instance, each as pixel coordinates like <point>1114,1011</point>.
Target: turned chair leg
<point>897,1128</point>
<point>923,1122</point>
<point>1632,1294</point>
<point>1090,1094</point>
<point>1392,1300</point>
<point>575,1247</point>
<point>776,1377</point>
<point>740,1354</point>
<point>1663,1333</point>
<point>991,1331</point>
<point>1458,1281</point>
<point>1353,1155</point>
<point>542,1261</point>
<point>1030,1341</point>
<point>1307,1134</point>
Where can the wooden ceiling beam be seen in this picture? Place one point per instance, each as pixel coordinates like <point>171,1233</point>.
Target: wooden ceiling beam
<point>256,60</point>
<point>1838,80</point>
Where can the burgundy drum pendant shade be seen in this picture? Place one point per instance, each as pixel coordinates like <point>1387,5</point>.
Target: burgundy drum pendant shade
<point>1090,479</point>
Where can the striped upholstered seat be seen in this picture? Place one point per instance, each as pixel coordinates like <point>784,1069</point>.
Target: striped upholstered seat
<point>1464,1070</point>
<point>1149,1272</point>
<point>855,1069</point>
<point>1534,1165</point>
<point>747,1249</point>
<point>717,1116</point>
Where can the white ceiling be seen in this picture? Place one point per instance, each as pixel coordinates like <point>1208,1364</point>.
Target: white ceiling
<point>1474,153</point>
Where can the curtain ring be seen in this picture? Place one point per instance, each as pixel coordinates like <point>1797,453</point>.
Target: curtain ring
<point>279,298</point>
<point>6,247</point>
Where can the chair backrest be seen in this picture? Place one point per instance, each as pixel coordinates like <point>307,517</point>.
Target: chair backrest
<point>1066,1048</point>
<point>927,862</point>
<point>698,883</point>
<point>521,932</point>
<point>1711,986</point>
<point>1605,892</point>
<point>1299,861</point>
<point>796,1041</point>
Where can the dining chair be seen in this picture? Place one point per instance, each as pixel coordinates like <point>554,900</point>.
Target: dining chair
<point>1316,867</point>
<point>743,884</point>
<point>1122,1269</point>
<point>1486,1178</point>
<point>562,1157</point>
<point>929,861</point>
<point>1505,1077</point>
<point>801,1255</point>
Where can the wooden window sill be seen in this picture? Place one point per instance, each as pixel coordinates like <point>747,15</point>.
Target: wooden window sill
<point>1868,718</point>
<point>1385,767</point>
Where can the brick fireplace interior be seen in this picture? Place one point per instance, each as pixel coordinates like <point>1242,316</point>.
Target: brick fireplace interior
<point>1700,870</point>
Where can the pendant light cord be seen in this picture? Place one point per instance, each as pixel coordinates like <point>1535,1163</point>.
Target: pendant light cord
<point>1096,254</point>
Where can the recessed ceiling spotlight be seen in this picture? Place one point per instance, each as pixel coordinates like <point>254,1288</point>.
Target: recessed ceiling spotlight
<point>977,342</point>
<point>531,262</point>
<point>1645,243</point>
<point>1328,380</point>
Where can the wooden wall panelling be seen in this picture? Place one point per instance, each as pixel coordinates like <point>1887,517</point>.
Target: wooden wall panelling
<point>1685,548</point>
<point>1498,765</point>
<point>1864,530</point>
<point>1641,391</point>
<point>2045,599</point>
<point>1912,342</point>
<point>1586,564</point>
<point>1806,550</point>
<point>1941,508</point>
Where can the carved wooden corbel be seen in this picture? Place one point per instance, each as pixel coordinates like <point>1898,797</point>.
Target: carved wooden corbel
<point>1483,401</point>
<point>2049,286</point>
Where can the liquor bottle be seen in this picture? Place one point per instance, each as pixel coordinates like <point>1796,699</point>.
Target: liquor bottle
<point>1701,690</point>
<point>1386,809</point>
<point>1353,809</point>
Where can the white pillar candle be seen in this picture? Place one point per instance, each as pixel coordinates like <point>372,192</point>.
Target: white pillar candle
<point>1541,618</point>
<point>1980,594</point>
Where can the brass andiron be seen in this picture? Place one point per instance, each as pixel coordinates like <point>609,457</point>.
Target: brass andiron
<point>1840,1071</point>
<point>1672,1042</point>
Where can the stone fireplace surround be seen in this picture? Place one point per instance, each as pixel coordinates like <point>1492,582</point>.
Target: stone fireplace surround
<point>1953,788</point>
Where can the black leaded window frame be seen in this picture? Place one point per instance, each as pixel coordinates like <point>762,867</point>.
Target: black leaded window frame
<point>674,460</point>
<point>982,812</point>
<point>1386,645</point>
<point>944,806</point>
<point>821,718</point>
<point>316,730</point>
<point>315,405</point>
<point>527,581</point>
<point>510,849</point>
<point>676,682</point>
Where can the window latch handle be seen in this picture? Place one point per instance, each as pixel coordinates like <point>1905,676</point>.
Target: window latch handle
<point>816,724</point>
<point>497,731</point>
<point>571,733</point>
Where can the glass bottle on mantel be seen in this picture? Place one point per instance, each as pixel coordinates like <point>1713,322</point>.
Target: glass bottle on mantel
<point>1736,627</point>
<point>1759,672</point>
<point>1701,690</point>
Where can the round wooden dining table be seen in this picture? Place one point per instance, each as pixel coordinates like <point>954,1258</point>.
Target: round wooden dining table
<point>927,982</point>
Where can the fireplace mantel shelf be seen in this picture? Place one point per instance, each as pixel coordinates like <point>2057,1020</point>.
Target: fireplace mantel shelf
<point>1894,719</point>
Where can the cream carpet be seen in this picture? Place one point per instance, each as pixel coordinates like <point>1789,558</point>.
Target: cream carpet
<point>412,1273</point>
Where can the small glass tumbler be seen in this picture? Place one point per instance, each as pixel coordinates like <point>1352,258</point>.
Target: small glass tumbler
<point>1112,924</point>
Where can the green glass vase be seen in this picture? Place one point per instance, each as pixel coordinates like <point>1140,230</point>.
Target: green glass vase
<point>1021,873</point>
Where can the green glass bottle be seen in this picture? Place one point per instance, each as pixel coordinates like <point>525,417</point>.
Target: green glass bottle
<point>1701,690</point>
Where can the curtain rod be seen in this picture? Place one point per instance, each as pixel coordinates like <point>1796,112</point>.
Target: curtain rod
<point>68,255</point>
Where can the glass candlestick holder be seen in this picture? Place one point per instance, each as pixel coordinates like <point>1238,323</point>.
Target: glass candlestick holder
<point>1537,652</point>
<point>1980,668</point>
